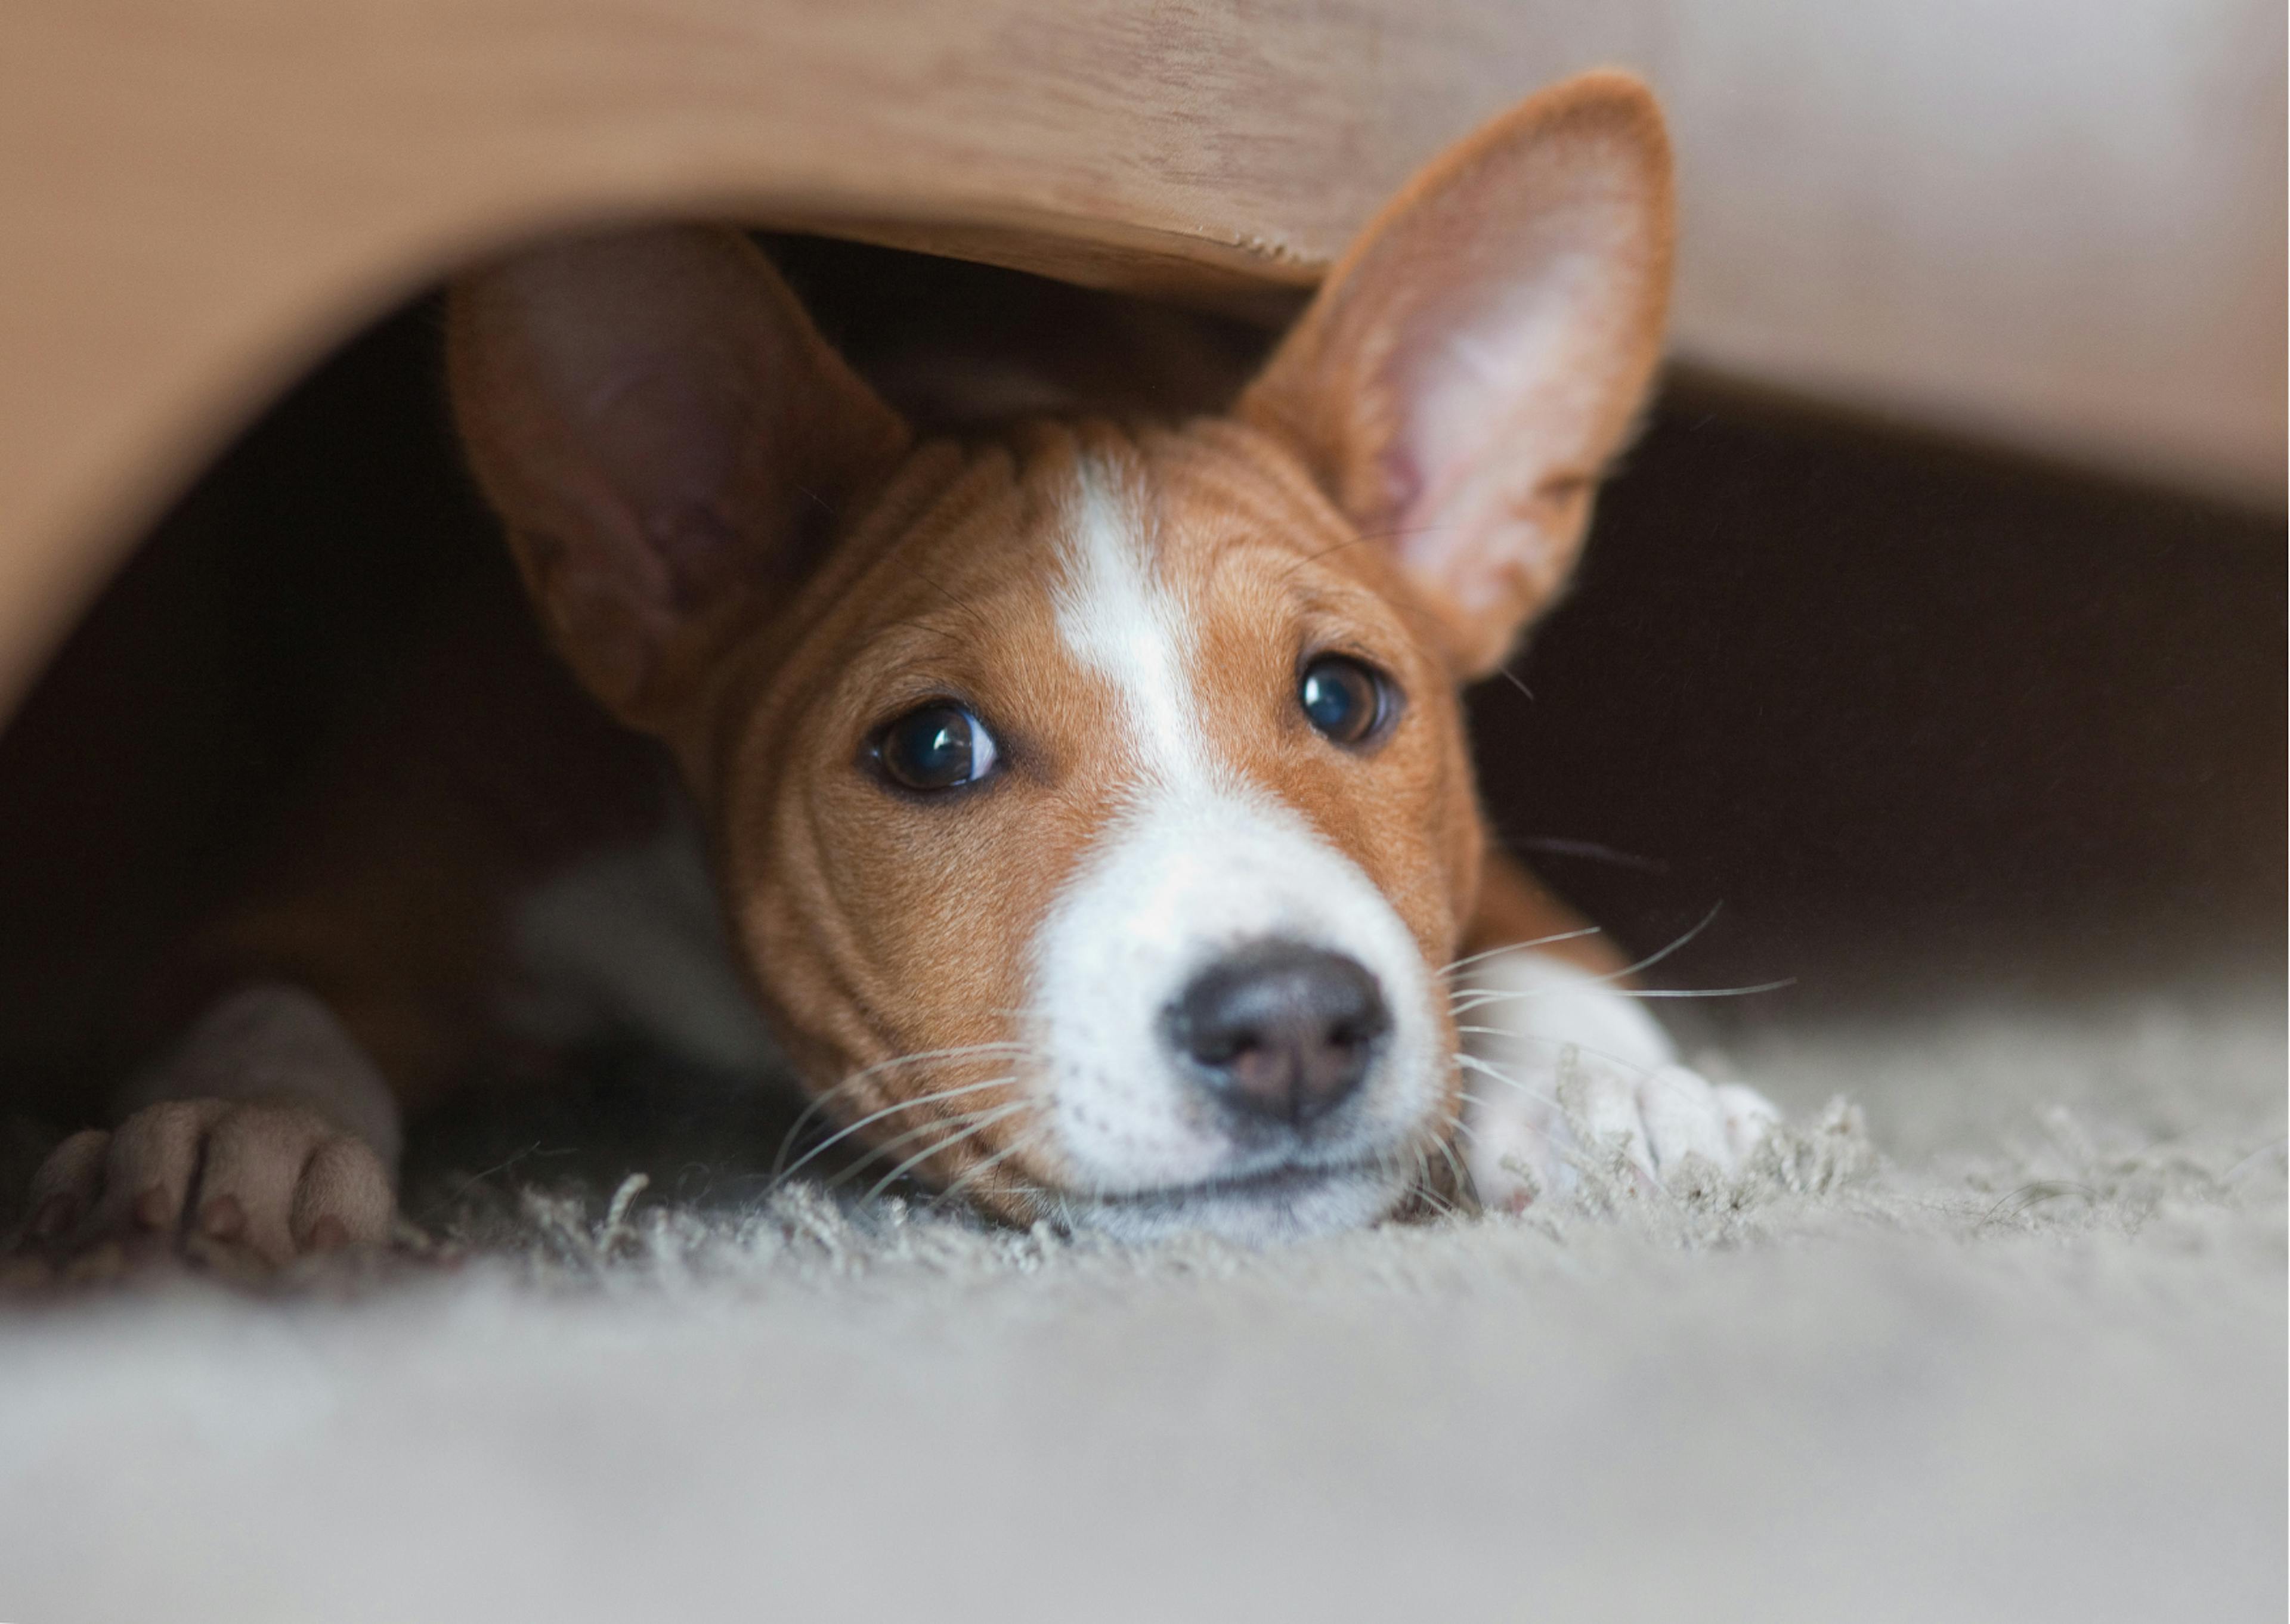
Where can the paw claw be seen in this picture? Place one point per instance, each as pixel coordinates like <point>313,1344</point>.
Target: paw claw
<point>222,1219</point>
<point>1749,1116</point>
<point>1682,1118</point>
<point>155,1210</point>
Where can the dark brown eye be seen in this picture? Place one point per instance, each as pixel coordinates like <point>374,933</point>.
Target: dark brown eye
<point>938,747</point>
<point>1346,700</point>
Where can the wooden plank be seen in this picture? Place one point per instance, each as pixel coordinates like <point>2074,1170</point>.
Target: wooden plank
<point>202,194</point>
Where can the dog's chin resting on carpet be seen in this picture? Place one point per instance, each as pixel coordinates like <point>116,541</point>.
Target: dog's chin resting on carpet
<point>1086,796</point>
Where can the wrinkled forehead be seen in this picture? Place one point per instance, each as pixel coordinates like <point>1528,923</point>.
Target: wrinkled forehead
<point>1206,514</point>
<point>1127,558</point>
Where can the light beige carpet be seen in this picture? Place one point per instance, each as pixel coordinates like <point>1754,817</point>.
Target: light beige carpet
<point>2014,1350</point>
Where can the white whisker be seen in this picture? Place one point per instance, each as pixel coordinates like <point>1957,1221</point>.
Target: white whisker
<point>1022,1142</point>
<point>1704,992</point>
<point>1518,946</point>
<point>876,1152</point>
<point>1473,1063</point>
<point>1481,994</point>
<point>928,1151</point>
<point>818,1101</point>
<point>1466,1188</point>
<point>1477,998</point>
<point>888,1110</point>
<point>1419,1180</point>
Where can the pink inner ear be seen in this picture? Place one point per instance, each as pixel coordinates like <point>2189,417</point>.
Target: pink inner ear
<point>1402,481</point>
<point>667,443</point>
<point>697,542</point>
<point>1495,404</point>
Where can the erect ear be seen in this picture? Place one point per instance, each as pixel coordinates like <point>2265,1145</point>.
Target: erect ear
<point>1461,378</point>
<point>666,438</point>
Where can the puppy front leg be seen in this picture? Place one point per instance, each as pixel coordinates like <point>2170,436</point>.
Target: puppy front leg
<point>267,1128</point>
<point>1558,1053</point>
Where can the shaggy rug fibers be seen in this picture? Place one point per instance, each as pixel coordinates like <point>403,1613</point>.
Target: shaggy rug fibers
<point>2000,1336</point>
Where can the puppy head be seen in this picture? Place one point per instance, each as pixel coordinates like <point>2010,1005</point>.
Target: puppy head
<point>1092,803</point>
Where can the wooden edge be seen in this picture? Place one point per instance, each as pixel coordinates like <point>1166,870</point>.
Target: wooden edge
<point>1257,283</point>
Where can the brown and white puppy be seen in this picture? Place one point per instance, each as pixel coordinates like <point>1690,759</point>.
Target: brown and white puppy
<point>1088,803</point>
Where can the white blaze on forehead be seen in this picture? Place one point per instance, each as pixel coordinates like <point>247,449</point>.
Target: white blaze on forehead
<point>1119,620</point>
<point>1199,863</point>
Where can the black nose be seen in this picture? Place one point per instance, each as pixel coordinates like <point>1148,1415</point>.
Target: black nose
<point>1280,1030</point>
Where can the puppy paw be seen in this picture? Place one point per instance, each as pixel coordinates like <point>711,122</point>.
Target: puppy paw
<point>1566,1074</point>
<point>1681,1113</point>
<point>1642,1125</point>
<point>258,1182</point>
